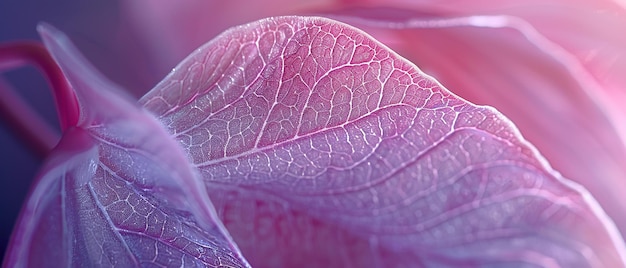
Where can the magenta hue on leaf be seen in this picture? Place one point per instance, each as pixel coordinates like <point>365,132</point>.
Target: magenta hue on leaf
<point>117,191</point>
<point>555,67</point>
<point>321,147</point>
<point>318,147</point>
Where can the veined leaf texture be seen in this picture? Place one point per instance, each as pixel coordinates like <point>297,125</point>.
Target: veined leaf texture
<point>312,145</point>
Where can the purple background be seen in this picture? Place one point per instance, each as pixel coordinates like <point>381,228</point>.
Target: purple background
<point>85,22</point>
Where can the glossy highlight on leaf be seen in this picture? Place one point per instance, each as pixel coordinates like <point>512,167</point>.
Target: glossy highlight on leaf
<point>308,133</point>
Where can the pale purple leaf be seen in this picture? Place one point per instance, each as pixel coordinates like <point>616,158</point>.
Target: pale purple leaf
<point>514,65</point>
<point>117,191</point>
<point>321,147</point>
<point>562,58</point>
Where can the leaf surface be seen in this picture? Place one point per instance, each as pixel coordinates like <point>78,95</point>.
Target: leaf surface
<point>528,60</point>
<point>320,146</point>
<point>510,62</point>
<point>117,191</point>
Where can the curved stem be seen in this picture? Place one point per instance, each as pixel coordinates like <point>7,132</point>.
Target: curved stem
<point>25,122</point>
<point>18,54</point>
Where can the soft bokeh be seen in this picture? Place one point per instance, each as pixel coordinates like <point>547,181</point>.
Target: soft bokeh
<point>556,68</point>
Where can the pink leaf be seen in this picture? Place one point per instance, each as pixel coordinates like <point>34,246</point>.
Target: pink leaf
<point>321,147</point>
<point>555,67</point>
<point>117,190</point>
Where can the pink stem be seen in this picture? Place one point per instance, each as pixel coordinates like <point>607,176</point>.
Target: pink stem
<point>22,53</point>
<point>29,126</point>
<point>25,122</point>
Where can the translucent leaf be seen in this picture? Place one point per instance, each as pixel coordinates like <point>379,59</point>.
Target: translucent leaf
<point>320,146</point>
<point>117,191</point>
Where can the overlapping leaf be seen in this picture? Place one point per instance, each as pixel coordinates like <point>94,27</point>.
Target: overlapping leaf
<point>117,191</point>
<point>319,146</point>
